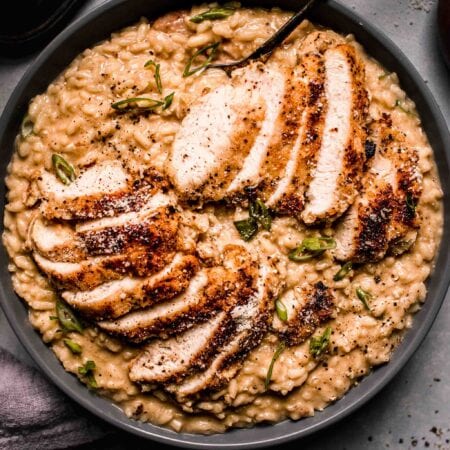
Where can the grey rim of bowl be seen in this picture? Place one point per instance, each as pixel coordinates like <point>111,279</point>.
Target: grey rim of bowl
<point>260,435</point>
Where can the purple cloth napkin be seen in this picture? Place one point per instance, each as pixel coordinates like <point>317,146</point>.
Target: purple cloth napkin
<point>35,415</point>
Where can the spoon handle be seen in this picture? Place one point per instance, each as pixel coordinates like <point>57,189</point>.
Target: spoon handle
<point>269,46</point>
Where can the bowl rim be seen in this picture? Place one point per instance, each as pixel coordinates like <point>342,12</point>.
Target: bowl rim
<point>16,311</point>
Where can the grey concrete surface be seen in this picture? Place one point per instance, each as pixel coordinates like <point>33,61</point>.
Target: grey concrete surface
<point>413,411</point>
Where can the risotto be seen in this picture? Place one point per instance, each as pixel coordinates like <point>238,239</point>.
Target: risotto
<point>91,117</point>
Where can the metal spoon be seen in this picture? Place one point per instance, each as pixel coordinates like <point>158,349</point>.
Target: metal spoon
<point>266,49</point>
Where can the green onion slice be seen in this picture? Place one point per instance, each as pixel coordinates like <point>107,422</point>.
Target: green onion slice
<point>168,101</point>
<point>399,105</point>
<point>364,296</point>
<point>313,244</point>
<point>157,68</point>
<point>67,318</point>
<point>343,271</point>
<point>410,204</point>
<point>317,345</point>
<point>143,103</point>
<point>213,14</point>
<point>26,127</point>
<point>211,48</point>
<point>384,75</point>
<point>278,351</point>
<point>259,211</point>
<point>64,171</point>
<point>73,346</point>
<point>247,228</point>
<point>88,371</point>
<point>400,246</point>
<point>281,310</point>
<point>311,247</point>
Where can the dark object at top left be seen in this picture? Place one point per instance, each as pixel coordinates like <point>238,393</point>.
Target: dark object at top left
<point>28,25</point>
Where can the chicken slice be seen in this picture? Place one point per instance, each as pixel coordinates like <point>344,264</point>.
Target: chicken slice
<point>102,190</point>
<point>252,322</point>
<point>56,241</point>
<point>156,231</point>
<point>155,226</point>
<point>319,41</point>
<point>271,85</point>
<point>211,290</point>
<point>213,140</point>
<point>167,318</point>
<point>92,272</point>
<point>384,215</point>
<point>118,297</point>
<point>306,309</point>
<point>172,359</point>
<point>288,195</point>
<point>151,208</point>
<point>336,176</point>
<point>362,234</point>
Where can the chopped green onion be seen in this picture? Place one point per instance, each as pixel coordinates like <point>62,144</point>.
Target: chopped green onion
<point>157,67</point>
<point>26,127</point>
<point>259,215</point>
<point>259,211</point>
<point>213,14</point>
<point>72,346</point>
<point>247,228</point>
<point>212,48</point>
<point>168,101</point>
<point>278,351</point>
<point>319,243</point>
<point>281,310</point>
<point>410,204</point>
<point>311,247</point>
<point>88,371</point>
<point>143,103</point>
<point>400,247</point>
<point>317,345</point>
<point>398,104</point>
<point>364,296</point>
<point>67,318</point>
<point>64,171</point>
<point>343,271</point>
<point>384,75</point>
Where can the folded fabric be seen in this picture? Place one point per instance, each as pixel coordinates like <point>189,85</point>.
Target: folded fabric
<point>35,415</point>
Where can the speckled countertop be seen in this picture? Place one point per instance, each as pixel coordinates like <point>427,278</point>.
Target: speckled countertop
<point>413,411</point>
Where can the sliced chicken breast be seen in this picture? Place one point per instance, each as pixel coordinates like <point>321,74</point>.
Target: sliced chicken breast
<point>157,231</point>
<point>336,176</point>
<point>362,235</point>
<point>152,208</point>
<point>172,359</point>
<point>92,272</point>
<point>102,190</point>
<point>214,289</point>
<point>154,228</point>
<point>116,298</point>
<point>384,215</point>
<point>252,322</point>
<point>320,41</point>
<point>56,241</point>
<point>288,195</point>
<point>167,318</point>
<point>306,309</point>
<point>213,141</point>
<point>271,85</point>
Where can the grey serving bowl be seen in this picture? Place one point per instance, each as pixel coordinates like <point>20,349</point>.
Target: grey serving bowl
<point>96,26</point>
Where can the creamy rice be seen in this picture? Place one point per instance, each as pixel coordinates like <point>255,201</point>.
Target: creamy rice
<point>74,118</point>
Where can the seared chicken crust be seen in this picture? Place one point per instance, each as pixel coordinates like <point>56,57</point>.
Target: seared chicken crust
<point>306,310</point>
<point>384,215</point>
